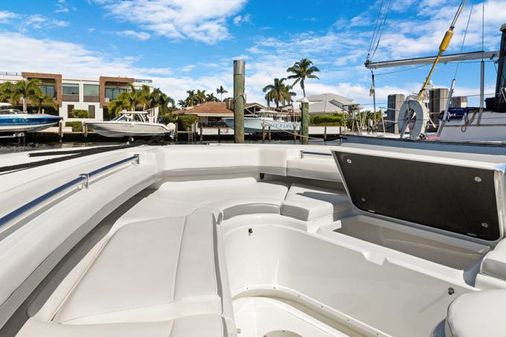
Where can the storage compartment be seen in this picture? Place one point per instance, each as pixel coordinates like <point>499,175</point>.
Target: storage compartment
<point>438,248</point>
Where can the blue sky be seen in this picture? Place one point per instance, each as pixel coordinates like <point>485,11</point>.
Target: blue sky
<point>190,44</point>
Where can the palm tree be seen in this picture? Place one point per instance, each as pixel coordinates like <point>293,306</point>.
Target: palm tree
<point>191,99</point>
<point>182,103</point>
<point>8,93</point>
<point>27,90</point>
<point>302,70</point>
<point>42,99</point>
<point>278,92</point>
<point>200,96</point>
<point>221,91</point>
<point>211,98</point>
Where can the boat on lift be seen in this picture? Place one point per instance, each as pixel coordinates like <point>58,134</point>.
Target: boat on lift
<point>133,124</point>
<point>258,124</point>
<point>15,121</point>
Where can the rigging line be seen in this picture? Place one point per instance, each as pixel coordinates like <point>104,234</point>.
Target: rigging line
<point>376,30</point>
<point>483,26</point>
<point>380,32</point>
<point>373,38</point>
<point>464,40</point>
<point>402,70</point>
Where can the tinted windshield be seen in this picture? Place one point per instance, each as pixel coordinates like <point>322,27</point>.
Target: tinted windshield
<point>9,111</point>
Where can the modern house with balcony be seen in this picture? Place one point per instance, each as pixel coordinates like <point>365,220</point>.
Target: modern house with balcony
<point>69,94</point>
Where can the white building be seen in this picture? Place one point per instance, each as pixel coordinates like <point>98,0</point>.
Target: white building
<point>69,94</point>
<point>327,104</point>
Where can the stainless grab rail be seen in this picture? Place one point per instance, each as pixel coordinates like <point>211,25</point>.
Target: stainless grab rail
<point>82,178</point>
<point>302,153</point>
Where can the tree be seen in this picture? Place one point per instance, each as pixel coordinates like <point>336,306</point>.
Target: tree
<point>8,93</point>
<point>278,92</point>
<point>211,98</point>
<point>41,99</point>
<point>301,71</point>
<point>220,91</point>
<point>27,90</point>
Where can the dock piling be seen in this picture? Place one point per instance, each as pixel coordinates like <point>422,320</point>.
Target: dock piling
<point>239,100</point>
<point>304,125</point>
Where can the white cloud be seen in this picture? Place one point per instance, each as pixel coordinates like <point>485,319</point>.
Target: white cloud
<point>241,19</point>
<point>143,36</point>
<point>6,16</point>
<point>200,20</point>
<point>37,21</point>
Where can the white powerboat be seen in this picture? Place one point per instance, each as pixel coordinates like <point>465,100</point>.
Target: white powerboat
<point>257,124</point>
<point>253,240</point>
<point>132,124</point>
<point>15,121</point>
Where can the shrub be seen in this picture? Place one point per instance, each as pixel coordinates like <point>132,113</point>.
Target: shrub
<point>78,113</point>
<point>336,119</point>
<point>76,126</point>
<point>186,121</point>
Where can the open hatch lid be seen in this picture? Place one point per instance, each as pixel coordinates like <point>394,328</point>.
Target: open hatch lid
<point>455,195</point>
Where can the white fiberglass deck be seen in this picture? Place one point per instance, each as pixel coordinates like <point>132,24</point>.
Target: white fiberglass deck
<point>246,246</point>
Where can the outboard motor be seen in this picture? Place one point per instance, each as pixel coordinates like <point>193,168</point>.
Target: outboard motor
<point>500,89</point>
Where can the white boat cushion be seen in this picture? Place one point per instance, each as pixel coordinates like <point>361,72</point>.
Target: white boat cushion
<point>477,314</point>
<point>228,196</point>
<point>192,326</point>
<point>308,204</point>
<point>161,277</point>
<point>494,263</point>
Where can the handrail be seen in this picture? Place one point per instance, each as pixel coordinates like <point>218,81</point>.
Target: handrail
<point>82,178</point>
<point>302,153</point>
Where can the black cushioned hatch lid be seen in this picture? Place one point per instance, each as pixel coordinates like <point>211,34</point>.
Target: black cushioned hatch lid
<point>452,198</point>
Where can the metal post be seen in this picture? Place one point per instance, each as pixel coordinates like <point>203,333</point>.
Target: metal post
<point>270,137</point>
<point>294,133</point>
<point>325,132</point>
<point>85,127</point>
<point>263,133</point>
<point>201,132</point>
<point>304,125</point>
<point>60,130</point>
<point>239,100</point>
<point>219,134</point>
<point>482,89</point>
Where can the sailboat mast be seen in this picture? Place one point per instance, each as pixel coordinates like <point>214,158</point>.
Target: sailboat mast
<point>442,48</point>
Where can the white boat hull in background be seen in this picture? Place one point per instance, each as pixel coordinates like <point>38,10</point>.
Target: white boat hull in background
<point>258,124</point>
<point>129,129</point>
<point>491,128</point>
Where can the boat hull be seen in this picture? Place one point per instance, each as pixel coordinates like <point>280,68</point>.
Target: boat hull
<point>26,122</point>
<point>256,125</point>
<point>129,129</point>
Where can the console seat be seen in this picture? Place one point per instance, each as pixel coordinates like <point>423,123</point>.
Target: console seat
<point>315,206</point>
<point>226,197</point>
<point>161,277</point>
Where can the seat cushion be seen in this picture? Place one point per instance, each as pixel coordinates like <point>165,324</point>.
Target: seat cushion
<point>494,263</point>
<point>308,204</point>
<point>149,271</point>
<point>477,314</point>
<point>192,326</point>
<point>230,197</point>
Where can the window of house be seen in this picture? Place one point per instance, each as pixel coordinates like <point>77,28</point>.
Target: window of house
<point>90,90</point>
<point>70,108</point>
<point>112,92</point>
<point>71,89</point>
<point>48,90</point>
